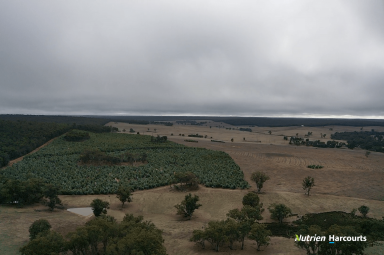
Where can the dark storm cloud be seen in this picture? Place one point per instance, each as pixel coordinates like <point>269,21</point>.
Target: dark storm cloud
<point>250,58</point>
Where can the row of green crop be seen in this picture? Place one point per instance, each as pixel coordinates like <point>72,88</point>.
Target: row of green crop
<point>57,163</point>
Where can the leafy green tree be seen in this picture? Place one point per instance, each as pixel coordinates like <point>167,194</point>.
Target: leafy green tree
<point>37,227</point>
<point>364,210</point>
<point>51,192</point>
<point>78,242</point>
<point>198,236</point>
<point>47,243</point>
<point>136,237</point>
<point>232,231</point>
<point>344,247</point>
<point>259,178</point>
<point>99,207</point>
<point>260,234</point>
<point>279,212</point>
<point>124,194</point>
<point>187,180</point>
<point>216,234</point>
<point>188,206</point>
<point>245,218</point>
<point>251,199</point>
<point>310,246</point>
<point>308,183</point>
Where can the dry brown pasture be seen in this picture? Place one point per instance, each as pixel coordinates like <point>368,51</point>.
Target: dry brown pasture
<point>348,180</point>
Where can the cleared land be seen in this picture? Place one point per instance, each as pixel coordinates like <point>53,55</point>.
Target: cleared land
<point>348,180</point>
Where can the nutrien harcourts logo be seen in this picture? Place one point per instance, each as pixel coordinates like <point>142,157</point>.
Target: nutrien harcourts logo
<point>331,239</point>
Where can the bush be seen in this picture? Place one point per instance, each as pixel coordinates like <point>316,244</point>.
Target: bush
<point>37,227</point>
<point>76,136</point>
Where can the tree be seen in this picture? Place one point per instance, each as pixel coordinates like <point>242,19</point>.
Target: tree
<point>188,206</point>
<point>44,244</point>
<point>99,206</point>
<point>308,183</point>
<point>51,192</point>
<point>231,139</point>
<point>245,218</point>
<point>311,246</point>
<point>251,199</point>
<point>38,227</point>
<point>344,247</point>
<point>259,178</point>
<point>124,195</point>
<point>186,179</point>
<point>260,234</point>
<point>270,132</point>
<point>367,153</point>
<point>215,233</point>
<point>279,212</point>
<point>364,210</point>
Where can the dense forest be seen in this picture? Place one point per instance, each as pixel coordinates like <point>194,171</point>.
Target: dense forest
<point>18,138</point>
<point>368,140</point>
<point>254,121</point>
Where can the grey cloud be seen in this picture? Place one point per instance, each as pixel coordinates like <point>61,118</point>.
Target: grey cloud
<point>245,58</point>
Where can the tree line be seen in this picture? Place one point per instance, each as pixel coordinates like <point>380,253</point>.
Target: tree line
<point>367,140</point>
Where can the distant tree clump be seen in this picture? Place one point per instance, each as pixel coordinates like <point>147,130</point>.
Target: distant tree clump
<point>186,180</point>
<point>102,235</point>
<point>259,178</point>
<point>158,139</point>
<point>76,136</point>
<point>188,206</point>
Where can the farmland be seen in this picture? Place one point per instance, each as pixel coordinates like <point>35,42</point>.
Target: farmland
<point>58,163</point>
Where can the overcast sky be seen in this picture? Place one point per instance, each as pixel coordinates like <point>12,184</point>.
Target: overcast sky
<point>240,58</point>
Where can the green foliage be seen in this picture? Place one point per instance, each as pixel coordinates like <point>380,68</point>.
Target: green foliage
<point>57,163</point>
<point>196,135</point>
<point>37,227</point>
<point>99,207</point>
<point>191,141</point>
<point>260,234</point>
<point>187,180</point>
<point>47,243</point>
<point>259,178</point>
<point>311,246</point>
<point>159,139</point>
<point>22,192</point>
<point>251,199</point>
<point>103,235</point>
<point>188,206</point>
<point>51,192</point>
<point>124,195</point>
<point>315,166</point>
<point>76,136</point>
<point>18,138</point>
<point>364,210</point>
<point>308,183</point>
<point>279,212</point>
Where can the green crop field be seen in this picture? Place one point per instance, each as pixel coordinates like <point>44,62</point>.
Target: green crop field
<point>57,163</point>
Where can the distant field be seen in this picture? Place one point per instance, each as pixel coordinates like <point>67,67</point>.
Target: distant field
<point>58,163</point>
